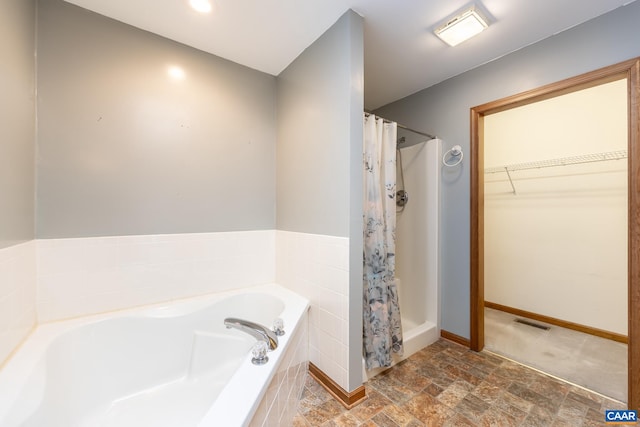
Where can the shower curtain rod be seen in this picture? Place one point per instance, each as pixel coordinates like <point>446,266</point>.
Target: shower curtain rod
<point>403,127</point>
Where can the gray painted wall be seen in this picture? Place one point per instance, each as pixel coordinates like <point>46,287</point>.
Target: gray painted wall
<point>125,149</point>
<point>356,244</point>
<point>319,155</point>
<point>443,110</point>
<point>314,135</point>
<point>17,120</point>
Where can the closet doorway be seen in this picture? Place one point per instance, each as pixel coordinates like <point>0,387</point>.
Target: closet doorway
<point>494,187</point>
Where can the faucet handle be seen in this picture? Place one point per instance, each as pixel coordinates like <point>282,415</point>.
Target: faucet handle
<point>278,326</point>
<point>259,352</point>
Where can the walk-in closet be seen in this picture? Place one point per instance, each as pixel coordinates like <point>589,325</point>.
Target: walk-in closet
<point>555,236</point>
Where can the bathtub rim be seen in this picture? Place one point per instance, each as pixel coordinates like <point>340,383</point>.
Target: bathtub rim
<point>15,372</point>
<point>250,382</point>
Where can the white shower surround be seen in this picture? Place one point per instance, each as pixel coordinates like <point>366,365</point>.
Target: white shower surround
<point>417,243</point>
<point>417,250</point>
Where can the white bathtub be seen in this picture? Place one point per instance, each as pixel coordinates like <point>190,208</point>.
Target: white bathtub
<point>164,365</point>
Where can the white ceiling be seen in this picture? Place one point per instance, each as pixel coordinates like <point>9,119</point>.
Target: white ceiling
<point>402,55</point>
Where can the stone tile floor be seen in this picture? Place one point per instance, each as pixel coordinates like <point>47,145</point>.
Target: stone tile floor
<point>446,384</point>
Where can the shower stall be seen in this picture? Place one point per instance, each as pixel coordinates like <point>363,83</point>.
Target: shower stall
<point>418,167</point>
<point>418,177</point>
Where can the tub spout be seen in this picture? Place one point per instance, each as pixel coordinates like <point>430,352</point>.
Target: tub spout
<point>256,330</point>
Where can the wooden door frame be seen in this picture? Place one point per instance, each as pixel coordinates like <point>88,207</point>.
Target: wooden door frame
<point>629,70</point>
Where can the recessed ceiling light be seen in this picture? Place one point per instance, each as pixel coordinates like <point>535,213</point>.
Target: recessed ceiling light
<point>202,6</point>
<point>176,73</point>
<point>462,27</point>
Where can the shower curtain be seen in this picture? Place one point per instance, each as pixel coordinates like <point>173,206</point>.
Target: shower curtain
<point>382,330</point>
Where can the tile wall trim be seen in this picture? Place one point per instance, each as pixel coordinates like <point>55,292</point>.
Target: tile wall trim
<point>348,399</point>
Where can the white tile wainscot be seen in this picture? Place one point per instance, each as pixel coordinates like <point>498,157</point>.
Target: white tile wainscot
<point>317,267</point>
<point>17,295</point>
<point>81,276</point>
<point>280,403</point>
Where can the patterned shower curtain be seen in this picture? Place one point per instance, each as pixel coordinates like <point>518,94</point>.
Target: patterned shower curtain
<point>381,324</point>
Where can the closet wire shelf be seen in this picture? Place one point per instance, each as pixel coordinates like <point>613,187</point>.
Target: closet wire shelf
<point>563,161</point>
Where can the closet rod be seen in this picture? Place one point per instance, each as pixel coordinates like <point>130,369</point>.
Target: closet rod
<point>563,161</point>
<point>402,126</point>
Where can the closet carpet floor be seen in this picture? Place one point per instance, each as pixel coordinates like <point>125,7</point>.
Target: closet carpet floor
<point>596,363</point>
<point>446,384</point>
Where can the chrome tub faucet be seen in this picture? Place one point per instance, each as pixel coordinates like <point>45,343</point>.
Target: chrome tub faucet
<point>256,330</point>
